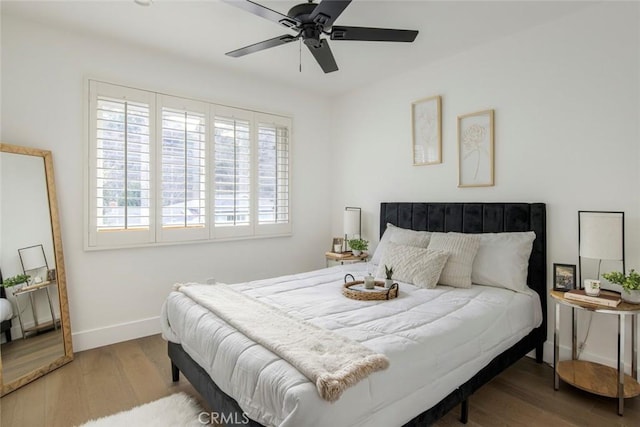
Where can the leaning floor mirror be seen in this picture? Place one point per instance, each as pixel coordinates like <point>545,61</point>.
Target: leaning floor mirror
<point>35,334</point>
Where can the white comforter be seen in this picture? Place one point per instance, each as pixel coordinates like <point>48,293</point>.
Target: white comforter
<point>435,340</point>
<point>6,310</point>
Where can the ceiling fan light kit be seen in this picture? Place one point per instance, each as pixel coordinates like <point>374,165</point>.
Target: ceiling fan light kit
<point>311,21</point>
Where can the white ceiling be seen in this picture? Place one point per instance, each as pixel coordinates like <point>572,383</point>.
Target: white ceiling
<point>205,30</point>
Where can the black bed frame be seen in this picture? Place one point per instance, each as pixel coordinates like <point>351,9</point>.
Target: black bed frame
<point>438,217</point>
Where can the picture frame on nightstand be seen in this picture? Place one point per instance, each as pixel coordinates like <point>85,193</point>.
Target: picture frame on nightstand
<point>564,277</point>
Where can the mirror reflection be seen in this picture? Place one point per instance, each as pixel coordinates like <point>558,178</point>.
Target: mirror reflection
<point>34,331</point>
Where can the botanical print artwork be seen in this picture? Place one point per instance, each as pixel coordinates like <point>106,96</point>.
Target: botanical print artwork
<point>475,145</point>
<point>426,131</point>
<point>476,149</point>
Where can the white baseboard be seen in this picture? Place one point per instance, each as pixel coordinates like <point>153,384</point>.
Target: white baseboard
<point>92,338</point>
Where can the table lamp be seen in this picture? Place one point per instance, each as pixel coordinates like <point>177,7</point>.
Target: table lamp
<point>34,262</point>
<point>352,224</point>
<point>601,237</point>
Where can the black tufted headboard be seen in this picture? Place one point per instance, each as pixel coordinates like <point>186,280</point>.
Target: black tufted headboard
<point>480,218</point>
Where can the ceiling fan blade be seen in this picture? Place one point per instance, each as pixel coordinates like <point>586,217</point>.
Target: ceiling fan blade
<point>276,41</point>
<point>328,11</point>
<point>264,12</point>
<point>372,34</point>
<point>323,55</point>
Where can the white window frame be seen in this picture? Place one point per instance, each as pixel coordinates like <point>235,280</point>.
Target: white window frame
<point>156,234</point>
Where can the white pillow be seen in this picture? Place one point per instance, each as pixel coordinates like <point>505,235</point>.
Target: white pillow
<point>503,260</point>
<point>462,249</point>
<point>401,236</point>
<point>418,266</point>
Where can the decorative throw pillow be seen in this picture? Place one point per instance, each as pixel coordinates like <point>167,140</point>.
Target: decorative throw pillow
<point>503,260</point>
<point>462,249</point>
<point>401,236</point>
<point>418,266</point>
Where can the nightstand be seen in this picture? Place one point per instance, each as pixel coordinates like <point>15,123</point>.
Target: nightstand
<point>31,291</point>
<point>334,258</point>
<point>594,377</point>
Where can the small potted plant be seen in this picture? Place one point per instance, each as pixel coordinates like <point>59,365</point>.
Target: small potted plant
<point>358,245</point>
<point>388,272</point>
<point>630,283</point>
<point>15,280</point>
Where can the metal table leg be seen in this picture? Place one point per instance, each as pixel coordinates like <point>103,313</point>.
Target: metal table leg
<point>33,310</point>
<point>17,297</point>
<point>574,333</point>
<point>53,316</point>
<point>634,346</point>
<point>621,318</point>
<point>556,345</point>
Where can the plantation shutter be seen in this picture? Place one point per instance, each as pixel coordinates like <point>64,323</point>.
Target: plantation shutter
<point>273,174</point>
<point>232,172</point>
<point>163,169</point>
<point>183,179</point>
<point>121,196</point>
<point>122,154</point>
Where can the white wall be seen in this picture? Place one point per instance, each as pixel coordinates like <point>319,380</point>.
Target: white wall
<point>116,295</point>
<point>566,100</point>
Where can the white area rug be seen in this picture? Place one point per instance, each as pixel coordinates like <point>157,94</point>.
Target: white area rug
<point>176,410</point>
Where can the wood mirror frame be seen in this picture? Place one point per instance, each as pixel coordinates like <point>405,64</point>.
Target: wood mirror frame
<point>59,269</point>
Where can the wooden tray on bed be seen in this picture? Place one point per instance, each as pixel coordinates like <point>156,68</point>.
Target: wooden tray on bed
<point>356,290</point>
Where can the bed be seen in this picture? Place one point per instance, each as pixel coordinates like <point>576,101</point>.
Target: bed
<point>393,396</point>
<point>6,312</point>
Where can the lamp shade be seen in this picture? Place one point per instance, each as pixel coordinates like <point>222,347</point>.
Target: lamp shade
<point>32,257</point>
<point>601,235</point>
<point>352,221</point>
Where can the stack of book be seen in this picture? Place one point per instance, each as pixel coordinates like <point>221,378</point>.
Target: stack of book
<point>609,299</point>
<point>343,255</point>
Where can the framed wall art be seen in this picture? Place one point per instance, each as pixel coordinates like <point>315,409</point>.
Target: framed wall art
<point>426,122</point>
<point>564,277</point>
<point>475,149</point>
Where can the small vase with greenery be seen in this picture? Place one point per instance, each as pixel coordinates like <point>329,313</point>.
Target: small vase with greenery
<point>15,280</point>
<point>388,272</point>
<point>630,283</point>
<point>358,245</point>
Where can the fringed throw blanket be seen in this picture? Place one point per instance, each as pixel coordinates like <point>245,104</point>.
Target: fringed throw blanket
<point>331,361</point>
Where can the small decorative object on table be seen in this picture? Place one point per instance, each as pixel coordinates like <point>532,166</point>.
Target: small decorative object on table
<point>630,284</point>
<point>337,245</point>
<point>358,245</point>
<point>355,289</point>
<point>592,287</point>
<point>564,277</point>
<point>388,272</point>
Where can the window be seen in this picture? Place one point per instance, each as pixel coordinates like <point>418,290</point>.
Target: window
<point>167,169</point>
<point>232,170</point>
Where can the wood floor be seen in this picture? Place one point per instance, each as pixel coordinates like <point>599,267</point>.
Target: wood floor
<point>110,379</point>
<point>22,356</point>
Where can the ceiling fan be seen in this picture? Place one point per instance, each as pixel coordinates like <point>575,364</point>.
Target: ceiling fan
<point>311,20</point>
